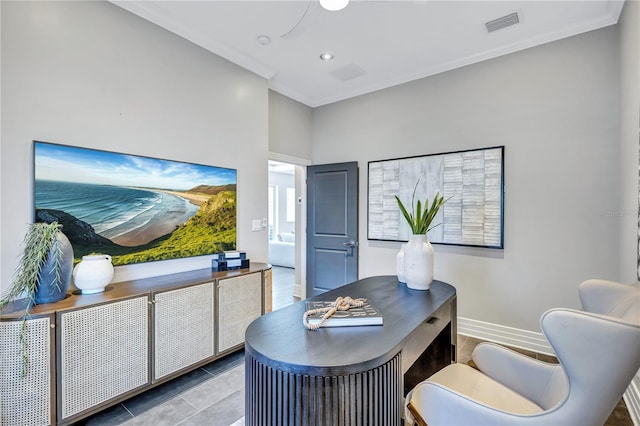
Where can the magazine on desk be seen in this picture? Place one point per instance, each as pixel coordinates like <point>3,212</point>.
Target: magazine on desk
<point>364,315</point>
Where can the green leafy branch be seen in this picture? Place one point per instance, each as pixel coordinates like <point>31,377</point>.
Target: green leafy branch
<point>40,240</point>
<point>420,219</point>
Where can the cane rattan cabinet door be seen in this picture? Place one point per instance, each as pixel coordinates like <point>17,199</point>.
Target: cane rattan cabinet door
<point>268,291</point>
<point>26,399</point>
<point>103,353</point>
<point>239,303</point>
<point>183,328</point>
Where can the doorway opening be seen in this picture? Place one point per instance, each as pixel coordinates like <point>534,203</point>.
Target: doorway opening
<point>284,231</point>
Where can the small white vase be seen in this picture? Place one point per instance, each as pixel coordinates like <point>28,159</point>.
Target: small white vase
<point>400,264</point>
<point>93,273</point>
<point>418,262</point>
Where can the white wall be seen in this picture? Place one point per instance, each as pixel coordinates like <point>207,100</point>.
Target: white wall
<point>289,127</point>
<point>91,74</point>
<point>629,27</point>
<point>629,139</point>
<point>554,107</point>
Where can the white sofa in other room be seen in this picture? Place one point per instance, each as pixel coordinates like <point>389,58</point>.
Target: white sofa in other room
<point>282,250</point>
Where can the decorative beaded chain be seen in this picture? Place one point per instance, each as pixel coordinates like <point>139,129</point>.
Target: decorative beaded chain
<point>341,304</point>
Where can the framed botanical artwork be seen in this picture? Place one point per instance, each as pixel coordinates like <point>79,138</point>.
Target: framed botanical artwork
<point>471,181</point>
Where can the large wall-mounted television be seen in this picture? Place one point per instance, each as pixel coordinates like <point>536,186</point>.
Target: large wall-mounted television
<point>134,208</point>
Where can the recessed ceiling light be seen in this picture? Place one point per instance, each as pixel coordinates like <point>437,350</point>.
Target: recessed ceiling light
<point>263,40</point>
<point>326,56</point>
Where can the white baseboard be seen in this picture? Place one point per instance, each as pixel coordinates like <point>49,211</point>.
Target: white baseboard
<point>508,336</point>
<point>536,342</point>
<point>632,400</point>
<point>297,290</point>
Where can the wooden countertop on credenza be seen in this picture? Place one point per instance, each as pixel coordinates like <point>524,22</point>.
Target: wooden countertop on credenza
<point>127,289</point>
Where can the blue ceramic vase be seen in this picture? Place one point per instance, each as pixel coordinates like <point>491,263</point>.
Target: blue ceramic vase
<point>46,290</point>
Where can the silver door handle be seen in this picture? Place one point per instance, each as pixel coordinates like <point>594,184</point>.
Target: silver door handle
<point>351,244</point>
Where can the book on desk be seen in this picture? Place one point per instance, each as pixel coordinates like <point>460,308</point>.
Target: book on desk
<point>355,316</point>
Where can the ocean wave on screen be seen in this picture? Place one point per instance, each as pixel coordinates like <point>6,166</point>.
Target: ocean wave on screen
<point>112,210</point>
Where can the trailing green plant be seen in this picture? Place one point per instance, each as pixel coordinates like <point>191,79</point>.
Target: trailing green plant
<point>420,219</point>
<point>39,241</point>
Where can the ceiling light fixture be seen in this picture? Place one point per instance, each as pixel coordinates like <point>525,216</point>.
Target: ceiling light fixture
<point>326,56</point>
<point>334,5</point>
<point>263,40</point>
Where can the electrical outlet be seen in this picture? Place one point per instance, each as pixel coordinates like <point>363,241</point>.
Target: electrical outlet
<point>256,225</point>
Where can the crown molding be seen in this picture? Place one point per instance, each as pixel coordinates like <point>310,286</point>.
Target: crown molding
<point>155,14</point>
<point>614,7</point>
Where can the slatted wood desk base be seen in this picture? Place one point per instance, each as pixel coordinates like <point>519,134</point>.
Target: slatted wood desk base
<point>371,397</point>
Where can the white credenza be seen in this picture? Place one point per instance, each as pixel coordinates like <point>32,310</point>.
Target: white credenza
<point>89,352</point>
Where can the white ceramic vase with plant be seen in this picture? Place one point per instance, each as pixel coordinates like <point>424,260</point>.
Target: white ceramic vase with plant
<point>416,256</point>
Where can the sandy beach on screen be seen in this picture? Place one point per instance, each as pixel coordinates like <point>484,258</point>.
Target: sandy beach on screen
<point>148,232</point>
<point>159,228</point>
<point>194,199</point>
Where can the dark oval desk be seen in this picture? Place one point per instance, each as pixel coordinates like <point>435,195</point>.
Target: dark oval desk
<point>348,375</point>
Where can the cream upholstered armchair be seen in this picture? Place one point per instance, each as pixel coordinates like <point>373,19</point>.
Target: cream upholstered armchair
<point>599,354</point>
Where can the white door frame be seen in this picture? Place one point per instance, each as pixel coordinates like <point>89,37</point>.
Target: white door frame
<point>300,286</point>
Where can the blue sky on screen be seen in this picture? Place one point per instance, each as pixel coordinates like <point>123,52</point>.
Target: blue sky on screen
<point>81,165</point>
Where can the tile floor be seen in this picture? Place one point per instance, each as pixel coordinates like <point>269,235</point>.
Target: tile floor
<point>211,395</point>
<point>283,281</point>
<point>214,394</point>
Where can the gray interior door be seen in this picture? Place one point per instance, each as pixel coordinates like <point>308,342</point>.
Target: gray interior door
<point>332,226</point>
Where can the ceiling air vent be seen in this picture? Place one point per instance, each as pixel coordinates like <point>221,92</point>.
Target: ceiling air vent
<point>505,21</point>
<point>348,72</point>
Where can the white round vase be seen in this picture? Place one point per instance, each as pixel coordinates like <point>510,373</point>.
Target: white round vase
<point>93,273</point>
<point>418,262</point>
<point>400,264</point>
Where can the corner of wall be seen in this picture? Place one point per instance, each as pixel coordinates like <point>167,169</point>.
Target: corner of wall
<point>629,143</point>
<point>629,174</point>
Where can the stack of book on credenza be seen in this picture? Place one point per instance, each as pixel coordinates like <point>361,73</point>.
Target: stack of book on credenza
<point>364,315</point>
<point>229,261</point>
